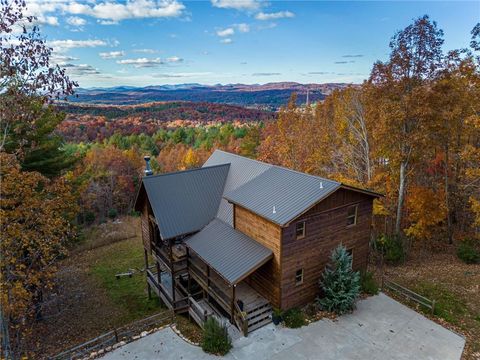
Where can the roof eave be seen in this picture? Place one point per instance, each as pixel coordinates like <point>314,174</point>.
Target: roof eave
<point>364,191</point>
<point>258,266</point>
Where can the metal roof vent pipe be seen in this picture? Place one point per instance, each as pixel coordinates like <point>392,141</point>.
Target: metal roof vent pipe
<point>148,169</point>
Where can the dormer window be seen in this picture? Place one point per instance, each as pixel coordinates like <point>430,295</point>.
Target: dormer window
<point>352,215</point>
<point>300,230</point>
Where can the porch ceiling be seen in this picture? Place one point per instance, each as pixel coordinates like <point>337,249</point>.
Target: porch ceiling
<point>229,252</point>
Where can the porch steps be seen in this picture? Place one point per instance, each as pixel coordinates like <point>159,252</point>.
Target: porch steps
<point>259,324</point>
<point>259,316</point>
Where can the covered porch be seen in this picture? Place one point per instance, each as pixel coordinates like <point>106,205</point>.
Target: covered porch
<point>220,258</point>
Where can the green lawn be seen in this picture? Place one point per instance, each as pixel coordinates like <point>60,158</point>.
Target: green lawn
<point>448,306</point>
<point>126,292</point>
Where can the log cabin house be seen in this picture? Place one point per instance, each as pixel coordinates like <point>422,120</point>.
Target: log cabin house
<point>237,237</point>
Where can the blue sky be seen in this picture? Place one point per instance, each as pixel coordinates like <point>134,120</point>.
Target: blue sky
<point>149,42</point>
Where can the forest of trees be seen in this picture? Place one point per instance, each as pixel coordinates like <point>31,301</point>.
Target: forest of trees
<point>411,131</point>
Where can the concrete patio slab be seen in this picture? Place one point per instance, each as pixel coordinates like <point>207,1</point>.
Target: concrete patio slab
<point>380,328</point>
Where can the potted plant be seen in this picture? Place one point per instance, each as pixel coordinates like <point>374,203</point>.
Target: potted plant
<point>276,316</point>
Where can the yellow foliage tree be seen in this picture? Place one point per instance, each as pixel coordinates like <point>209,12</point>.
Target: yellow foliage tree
<point>426,211</point>
<point>190,159</point>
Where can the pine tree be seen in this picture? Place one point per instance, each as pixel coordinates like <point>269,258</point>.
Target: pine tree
<point>340,284</point>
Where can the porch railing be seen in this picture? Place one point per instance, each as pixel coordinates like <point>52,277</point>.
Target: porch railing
<point>240,318</point>
<point>197,312</point>
<point>172,266</point>
<point>213,290</point>
<point>178,304</point>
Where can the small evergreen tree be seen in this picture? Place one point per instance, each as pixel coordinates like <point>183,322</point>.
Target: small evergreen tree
<point>215,338</point>
<point>340,284</point>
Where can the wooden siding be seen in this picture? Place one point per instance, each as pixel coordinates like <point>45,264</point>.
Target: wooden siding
<point>266,280</point>
<point>326,228</point>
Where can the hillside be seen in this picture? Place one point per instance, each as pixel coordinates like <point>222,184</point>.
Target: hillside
<point>86,122</point>
<point>267,96</point>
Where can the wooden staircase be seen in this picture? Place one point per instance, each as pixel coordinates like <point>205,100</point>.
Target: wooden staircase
<point>258,315</point>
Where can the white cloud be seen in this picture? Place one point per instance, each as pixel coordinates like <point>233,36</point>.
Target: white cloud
<point>112,54</point>
<point>225,32</point>
<point>109,12</point>
<point>76,21</point>
<point>226,41</point>
<point>243,28</point>
<point>60,59</point>
<point>273,16</point>
<point>141,62</point>
<point>64,45</point>
<point>81,69</point>
<point>145,51</point>
<point>107,22</point>
<point>237,4</point>
<point>46,20</point>
<point>181,75</point>
<point>174,59</point>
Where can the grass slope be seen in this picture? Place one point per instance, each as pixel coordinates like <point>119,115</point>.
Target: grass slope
<point>127,293</point>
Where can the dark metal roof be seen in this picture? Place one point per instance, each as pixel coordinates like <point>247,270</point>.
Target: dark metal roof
<point>280,195</point>
<point>242,170</point>
<point>231,253</point>
<point>184,202</point>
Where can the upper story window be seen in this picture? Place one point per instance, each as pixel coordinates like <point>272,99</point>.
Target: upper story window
<point>299,277</point>
<point>352,215</point>
<point>350,252</point>
<point>300,230</point>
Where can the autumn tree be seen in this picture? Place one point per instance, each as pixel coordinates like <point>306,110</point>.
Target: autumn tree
<point>399,88</point>
<point>109,178</point>
<point>347,135</point>
<point>290,141</point>
<point>452,101</point>
<point>34,223</point>
<point>26,76</point>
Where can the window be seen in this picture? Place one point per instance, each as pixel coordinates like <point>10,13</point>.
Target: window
<point>350,252</point>
<point>299,277</point>
<point>300,230</point>
<point>352,215</point>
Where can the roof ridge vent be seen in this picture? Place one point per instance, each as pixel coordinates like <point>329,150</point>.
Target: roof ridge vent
<point>274,211</point>
<point>321,184</point>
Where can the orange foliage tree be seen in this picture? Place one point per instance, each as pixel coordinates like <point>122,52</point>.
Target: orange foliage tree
<point>35,215</point>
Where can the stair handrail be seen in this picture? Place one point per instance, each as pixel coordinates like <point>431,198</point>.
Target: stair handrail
<point>242,317</point>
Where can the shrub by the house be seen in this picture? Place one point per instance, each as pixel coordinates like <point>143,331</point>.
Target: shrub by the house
<point>468,251</point>
<point>294,318</point>
<point>340,284</point>
<point>392,249</point>
<point>215,338</point>
<point>368,284</point>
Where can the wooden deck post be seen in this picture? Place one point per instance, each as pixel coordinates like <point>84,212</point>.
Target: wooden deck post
<point>159,274</point>
<point>149,290</point>
<point>146,258</point>
<point>188,272</point>
<point>208,283</point>
<point>232,305</point>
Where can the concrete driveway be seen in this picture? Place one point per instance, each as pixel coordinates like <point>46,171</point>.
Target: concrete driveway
<point>380,328</point>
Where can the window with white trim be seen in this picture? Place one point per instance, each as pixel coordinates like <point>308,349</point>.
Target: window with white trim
<point>299,277</point>
<point>300,230</point>
<point>352,215</point>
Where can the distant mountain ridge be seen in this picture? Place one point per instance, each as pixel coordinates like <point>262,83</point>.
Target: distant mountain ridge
<point>267,96</point>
